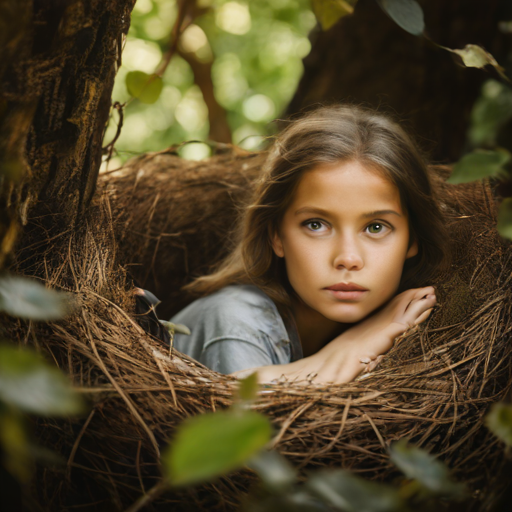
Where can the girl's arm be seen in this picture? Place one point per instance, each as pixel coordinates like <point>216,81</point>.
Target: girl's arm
<point>358,348</point>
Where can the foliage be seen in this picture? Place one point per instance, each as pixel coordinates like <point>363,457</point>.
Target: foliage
<point>489,141</point>
<point>479,164</point>
<point>211,445</point>
<point>505,218</point>
<point>275,472</point>
<point>474,56</point>
<point>489,137</point>
<point>28,384</point>
<point>26,298</point>
<point>429,472</point>
<point>254,50</point>
<point>490,116</point>
<point>499,421</point>
<point>146,88</point>
<point>250,51</point>
<point>329,12</point>
<point>405,13</point>
<point>248,388</point>
<point>348,492</point>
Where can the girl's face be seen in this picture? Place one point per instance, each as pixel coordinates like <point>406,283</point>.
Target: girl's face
<point>344,238</point>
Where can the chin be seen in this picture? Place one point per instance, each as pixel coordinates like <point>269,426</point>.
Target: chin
<point>346,317</point>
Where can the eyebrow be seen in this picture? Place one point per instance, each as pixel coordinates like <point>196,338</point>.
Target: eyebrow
<point>310,209</point>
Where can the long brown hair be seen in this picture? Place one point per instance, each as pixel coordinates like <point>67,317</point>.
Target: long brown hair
<point>331,134</point>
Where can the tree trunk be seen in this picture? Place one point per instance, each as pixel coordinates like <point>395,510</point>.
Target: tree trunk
<point>367,58</point>
<point>58,63</point>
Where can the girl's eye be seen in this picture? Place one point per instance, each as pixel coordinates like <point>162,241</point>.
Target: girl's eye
<point>377,228</point>
<point>314,225</point>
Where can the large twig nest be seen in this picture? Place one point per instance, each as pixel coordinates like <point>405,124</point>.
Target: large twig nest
<point>164,220</point>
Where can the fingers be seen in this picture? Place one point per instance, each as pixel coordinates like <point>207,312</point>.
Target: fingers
<point>423,317</point>
<point>422,292</point>
<point>417,307</point>
<point>373,364</point>
<point>418,294</point>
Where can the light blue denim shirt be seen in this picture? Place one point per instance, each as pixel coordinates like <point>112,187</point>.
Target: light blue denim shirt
<point>236,328</point>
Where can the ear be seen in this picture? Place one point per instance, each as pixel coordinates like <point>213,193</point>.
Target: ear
<point>413,250</point>
<point>277,244</point>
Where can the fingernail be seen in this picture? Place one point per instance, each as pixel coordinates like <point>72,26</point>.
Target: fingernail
<point>431,296</point>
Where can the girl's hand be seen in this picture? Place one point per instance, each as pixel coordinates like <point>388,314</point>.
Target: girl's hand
<point>359,348</point>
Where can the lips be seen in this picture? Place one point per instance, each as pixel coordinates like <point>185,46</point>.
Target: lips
<point>346,287</point>
<point>347,292</point>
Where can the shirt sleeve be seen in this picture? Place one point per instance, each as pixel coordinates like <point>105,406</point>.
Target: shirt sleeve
<point>228,355</point>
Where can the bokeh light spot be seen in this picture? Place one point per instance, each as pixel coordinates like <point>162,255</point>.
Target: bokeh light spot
<point>191,112</point>
<point>140,55</point>
<point>194,40</point>
<point>234,18</point>
<point>195,151</point>
<point>248,137</point>
<point>259,108</point>
<point>143,6</point>
<point>230,84</point>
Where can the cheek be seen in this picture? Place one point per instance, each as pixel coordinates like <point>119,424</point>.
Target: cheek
<point>389,264</point>
<point>301,255</point>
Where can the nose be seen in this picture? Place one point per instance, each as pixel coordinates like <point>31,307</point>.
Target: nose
<point>347,254</point>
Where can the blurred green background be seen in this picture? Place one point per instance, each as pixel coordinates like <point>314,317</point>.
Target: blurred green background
<point>255,51</point>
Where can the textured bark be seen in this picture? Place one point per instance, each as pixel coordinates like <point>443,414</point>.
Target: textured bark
<point>57,73</point>
<point>366,58</point>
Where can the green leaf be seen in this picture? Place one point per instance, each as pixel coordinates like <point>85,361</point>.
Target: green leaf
<point>172,328</point>
<point>474,56</point>
<point>499,421</point>
<point>407,14</point>
<point>425,468</point>
<point>213,444</point>
<point>146,88</point>
<point>505,218</point>
<point>12,169</point>
<point>248,387</point>
<point>274,470</point>
<point>328,12</point>
<point>26,298</point>
<point>32,385</point>
<point>478,165</point>
<point>343,490</point>
<point>491,112</point>
<point>15,445</point>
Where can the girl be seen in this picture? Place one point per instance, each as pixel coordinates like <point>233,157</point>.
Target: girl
<point>343,218</point>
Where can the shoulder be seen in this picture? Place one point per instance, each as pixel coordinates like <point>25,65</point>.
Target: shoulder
<point>240,297</point>
<point>234,309</point>
<point>236,328</point>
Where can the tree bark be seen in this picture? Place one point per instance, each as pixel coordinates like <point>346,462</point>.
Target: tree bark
<point>57,71</point>
<point>367,58</point>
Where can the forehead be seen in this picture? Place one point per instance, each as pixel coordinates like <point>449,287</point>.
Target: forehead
<point>351,184</point>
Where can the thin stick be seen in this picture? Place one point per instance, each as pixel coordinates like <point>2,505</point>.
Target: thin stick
<point>77,442</point>
<point>150,496</point>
